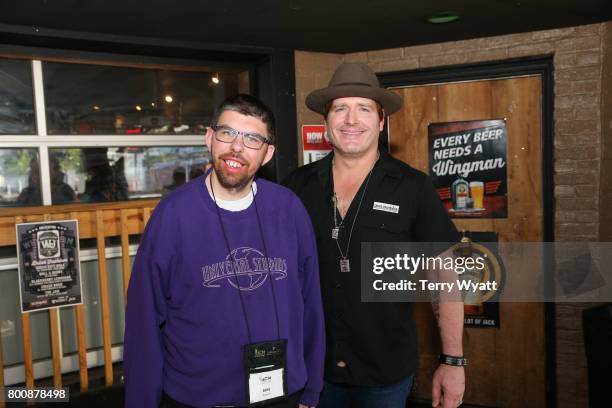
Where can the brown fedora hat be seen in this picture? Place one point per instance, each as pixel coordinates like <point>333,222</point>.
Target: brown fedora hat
<point>353,79</point>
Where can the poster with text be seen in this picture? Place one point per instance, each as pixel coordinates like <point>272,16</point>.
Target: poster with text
<point>468,166</point>
<point>478,312</point>
<point>49,267</point>
<point>314,141</point>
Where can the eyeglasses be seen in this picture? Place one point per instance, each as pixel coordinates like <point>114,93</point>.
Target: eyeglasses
<point>226,134</point>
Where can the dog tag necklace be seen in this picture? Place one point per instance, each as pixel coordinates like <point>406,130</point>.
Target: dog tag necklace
<point>345,265</point>
<point>336,230</point>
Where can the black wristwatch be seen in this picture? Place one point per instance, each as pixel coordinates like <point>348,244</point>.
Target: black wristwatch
<point>453,360</point>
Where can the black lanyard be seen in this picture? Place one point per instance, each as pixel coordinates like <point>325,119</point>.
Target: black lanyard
<point>233,258</point>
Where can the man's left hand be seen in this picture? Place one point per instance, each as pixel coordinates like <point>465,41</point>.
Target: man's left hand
<point>448,386</point>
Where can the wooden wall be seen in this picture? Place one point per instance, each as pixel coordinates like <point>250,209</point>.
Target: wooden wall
<point>98,221</point>
<point>507,367</point>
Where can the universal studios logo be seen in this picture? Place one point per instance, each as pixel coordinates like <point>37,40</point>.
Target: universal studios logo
<point>48,244</point>
<point>246,265</point>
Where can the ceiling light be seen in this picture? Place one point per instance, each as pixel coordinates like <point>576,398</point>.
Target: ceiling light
<point>443,17</point>
<point>215,79</point>
<point>168,98</point>
<point>138,108</point>
<point>96,108</point>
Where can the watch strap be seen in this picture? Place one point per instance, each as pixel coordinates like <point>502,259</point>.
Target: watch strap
<point>453,360</point>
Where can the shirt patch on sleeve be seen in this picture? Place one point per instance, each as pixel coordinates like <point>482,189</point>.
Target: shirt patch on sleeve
<point>392,208</point>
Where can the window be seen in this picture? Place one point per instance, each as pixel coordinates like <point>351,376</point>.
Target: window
<point>98,174</point>
<point>20,177</point>
<point>97,99</point>
<point>104,133</point>
<point>16,98</point>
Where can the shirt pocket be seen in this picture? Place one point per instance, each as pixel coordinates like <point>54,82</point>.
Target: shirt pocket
<point>384,229</point>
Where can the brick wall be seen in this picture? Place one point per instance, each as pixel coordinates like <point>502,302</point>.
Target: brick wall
<point>312,71</point>
<point>605,205</point>
<point>578,57</point>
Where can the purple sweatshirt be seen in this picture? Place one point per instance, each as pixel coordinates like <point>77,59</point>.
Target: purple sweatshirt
<point>185,328</point>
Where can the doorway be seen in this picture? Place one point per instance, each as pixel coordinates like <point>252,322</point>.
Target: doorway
<point>512,365</point>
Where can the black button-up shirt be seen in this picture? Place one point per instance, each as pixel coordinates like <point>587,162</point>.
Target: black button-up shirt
<point>377,341</point>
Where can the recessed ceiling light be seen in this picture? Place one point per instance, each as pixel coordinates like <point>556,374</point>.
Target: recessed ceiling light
<point>96,108</point>
<point>443,17</point>
<point>168,98</point>
<point>215,79</point>
<point>138,108</point>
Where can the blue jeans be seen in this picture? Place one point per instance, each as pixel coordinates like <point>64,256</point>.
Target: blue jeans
<point>345,396</point>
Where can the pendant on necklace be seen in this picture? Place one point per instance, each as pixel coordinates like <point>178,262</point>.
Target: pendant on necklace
<point>345,265</point>
<point>335,232</point>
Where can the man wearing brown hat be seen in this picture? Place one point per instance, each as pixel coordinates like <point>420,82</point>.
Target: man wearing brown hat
<point>359,193</point>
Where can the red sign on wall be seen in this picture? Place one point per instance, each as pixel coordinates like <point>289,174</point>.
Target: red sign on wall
<point>314,142</point>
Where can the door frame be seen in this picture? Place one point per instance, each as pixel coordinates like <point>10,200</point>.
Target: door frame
<point>537,65</point>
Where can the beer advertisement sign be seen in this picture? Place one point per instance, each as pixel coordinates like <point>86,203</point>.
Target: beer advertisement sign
<point>49,267</point>
<point>468,166</point>
<point>481,307</point>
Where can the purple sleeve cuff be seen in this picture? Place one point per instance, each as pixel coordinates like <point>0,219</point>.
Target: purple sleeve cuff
<point>310,398</point>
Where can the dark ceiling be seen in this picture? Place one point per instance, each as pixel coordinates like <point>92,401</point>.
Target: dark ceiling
<point>314,25</point>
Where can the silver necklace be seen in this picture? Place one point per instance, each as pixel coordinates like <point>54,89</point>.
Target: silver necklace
<point>345,265</point>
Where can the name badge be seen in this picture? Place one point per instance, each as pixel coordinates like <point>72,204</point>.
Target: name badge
<point>266,385</point>
<point>266,371</point>
<point>392,208</point>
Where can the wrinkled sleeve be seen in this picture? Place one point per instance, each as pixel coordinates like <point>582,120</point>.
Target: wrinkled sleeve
<point>314,324</point>
<point>145,316</point>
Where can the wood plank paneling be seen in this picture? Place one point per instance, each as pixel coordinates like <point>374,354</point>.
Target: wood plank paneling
<point>406,127</point>
<point>102,276</point>
<point>125,252</point>
<point>81,341</point>
<point>27,350</point>
<point>506,364</point>
<point>55,347</point>
<point>83,374</point>
<point>81,207</point>
<point>86,216</point>
<point>95,221</point>
<point>146,214</point>
<point>522,357</point>
<point>27,333</point>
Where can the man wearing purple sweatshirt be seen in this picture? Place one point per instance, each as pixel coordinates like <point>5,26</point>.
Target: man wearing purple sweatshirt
<point>224,305</point>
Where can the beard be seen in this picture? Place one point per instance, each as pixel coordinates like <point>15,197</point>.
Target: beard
<point>228,181</point>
